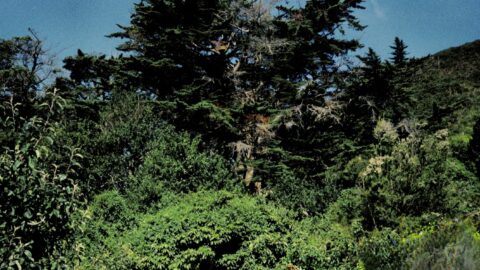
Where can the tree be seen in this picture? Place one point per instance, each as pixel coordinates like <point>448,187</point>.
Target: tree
<point>181,52</point>
<point>367,96</point>
<point>38,175</point>
<point>91,76</point>
<point>24,67</point>
<point>375,77</point>
<point>236,72</point>
<point>399,54</point>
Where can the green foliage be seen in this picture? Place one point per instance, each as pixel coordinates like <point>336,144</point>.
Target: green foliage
<point>447,80</point>
<point>175,162</point>
<point>129,148</point>
<point>450,245</point>
<point>229,70</point>
<point>417,175</point>
<point>23,66</point>
<point>474,147</point>
<point>111,209</point>
<point>447,244</point>
<point>215,229</point>
<point>202,230</point>
<point>212,91</point>
<point>125,127</point>
<point>40,190</point>
<point>399,54</point>
<point>91,76</point>
<point>351,205</point>
<point>324,244</point>
<point>115,137</point>
<point>292,192</point>
<point>382,250</point>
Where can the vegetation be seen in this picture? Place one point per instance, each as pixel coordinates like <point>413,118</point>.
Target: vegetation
<point>229,136</point>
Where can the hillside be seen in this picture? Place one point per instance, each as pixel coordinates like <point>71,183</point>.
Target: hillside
<point>444,87</point>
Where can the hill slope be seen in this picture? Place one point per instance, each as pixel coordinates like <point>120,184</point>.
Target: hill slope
<point>444,88</point>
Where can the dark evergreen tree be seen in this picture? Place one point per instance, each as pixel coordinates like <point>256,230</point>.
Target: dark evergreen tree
<point>246,80</point>
<point>367,96</point>
<point>289,61</point>
<point>92,76</point>
<point>180,52</point>
<point>375,77</point>
<point>399,54</point>
<point>235,73</point>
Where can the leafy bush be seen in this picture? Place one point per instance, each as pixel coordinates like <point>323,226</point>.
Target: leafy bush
<point>321,243</point>
<point>444,244</point>
<point>117,140</point>
<point>351,205</point>
<point>202,230</point>
<point>130,148</point>
<point>448,245</point>
<point>417,175</point>
<point>112,209</point>
<point>39,191</point>
<point>175,162</point>
<point>290,191</point>
<point>215,230</point>
<point>382,250</point>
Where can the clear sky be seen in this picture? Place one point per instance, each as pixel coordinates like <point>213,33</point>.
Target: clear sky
<point>427,26</point>
<point>67,24</point>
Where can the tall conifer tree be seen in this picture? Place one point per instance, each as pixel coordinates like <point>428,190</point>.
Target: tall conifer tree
<point>399,54</point>
<point>239,71</point>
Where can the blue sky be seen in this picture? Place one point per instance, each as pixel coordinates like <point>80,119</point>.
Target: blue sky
<point>66,24</point>
<point>427,26</point>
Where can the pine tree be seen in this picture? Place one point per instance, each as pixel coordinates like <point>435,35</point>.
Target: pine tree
<point>238,72</point>
<point>180,52</point>
<point>92,76</point>
<point>369,93</point>
<point>399,54</point>
<point>374,76</point>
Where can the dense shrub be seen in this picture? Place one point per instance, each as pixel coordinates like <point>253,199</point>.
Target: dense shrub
<point>129,147</point>
<point>200,231</point>
<point>448,245</point>
<point>416,175</point>
<point>443,244</point>
<point>214,230</point>
<point>39,189</point>
<point>175,162</point>
<point>322,243</point>
<point>382,250</point>
<point>115,143</point>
